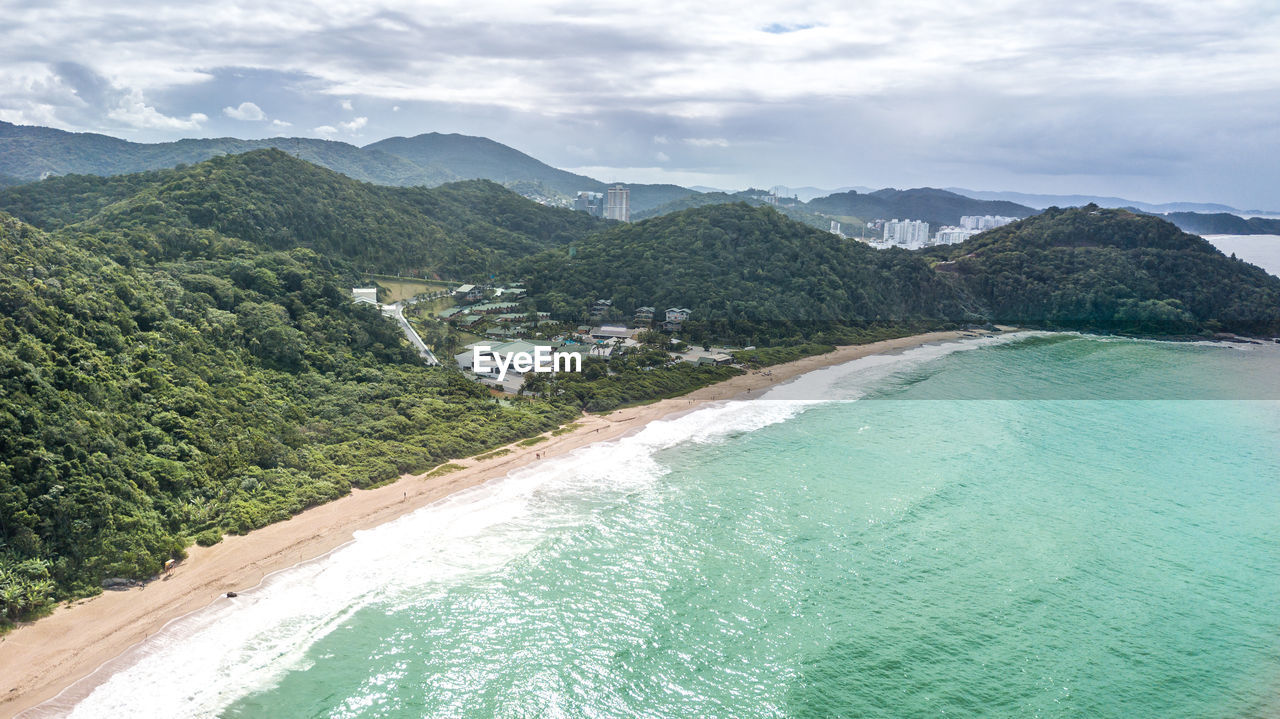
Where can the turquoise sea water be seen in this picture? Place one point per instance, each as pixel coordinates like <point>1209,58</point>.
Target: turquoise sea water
<point>1037,527</point>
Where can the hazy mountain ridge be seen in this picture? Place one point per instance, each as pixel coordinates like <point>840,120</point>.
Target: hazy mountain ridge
<point>274,199</point>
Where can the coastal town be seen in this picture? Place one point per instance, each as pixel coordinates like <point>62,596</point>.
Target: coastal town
<point>487,329</point>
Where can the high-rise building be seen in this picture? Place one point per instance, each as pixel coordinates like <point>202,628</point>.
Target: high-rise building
<point>591,203</point>
<point>985,222</point>
<point>906,233</point>
<point>835,228</point>
<point>618,204</point>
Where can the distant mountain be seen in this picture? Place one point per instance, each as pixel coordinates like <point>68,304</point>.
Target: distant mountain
<point>272,199</point>
<point>1042,201</point>
<point>30,153</point>
<point>467,157</point>
<point>806,193</point>
<point>7,181</point>
<point>937,207</point>
<point>1222,223</point>
<point>798,212</point>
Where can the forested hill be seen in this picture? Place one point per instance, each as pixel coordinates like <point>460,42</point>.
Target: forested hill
<point>937,207</point>
<point>461,230</point>
<point>1112,270</point>
<point>147,398</point>
<point>748,273</point>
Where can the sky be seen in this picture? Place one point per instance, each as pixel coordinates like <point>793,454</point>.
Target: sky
<point>1154,101</point>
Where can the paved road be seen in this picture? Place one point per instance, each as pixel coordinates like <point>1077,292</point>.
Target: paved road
<point>396,312</point>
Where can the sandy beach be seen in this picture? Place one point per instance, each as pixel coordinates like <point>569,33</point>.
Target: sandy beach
<point>40,659</point>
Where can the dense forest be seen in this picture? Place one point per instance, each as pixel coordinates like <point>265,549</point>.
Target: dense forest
<point>152,395</point>
<point>1112,270</point>
<point>752,276</point>
<point>749,274</point>
<point>464,230</point>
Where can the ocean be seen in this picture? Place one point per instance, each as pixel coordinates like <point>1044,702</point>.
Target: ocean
<point>1037,525</point>
<point>1261,250</point>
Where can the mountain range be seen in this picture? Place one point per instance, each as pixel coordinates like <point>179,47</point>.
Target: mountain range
<point>29,153</point>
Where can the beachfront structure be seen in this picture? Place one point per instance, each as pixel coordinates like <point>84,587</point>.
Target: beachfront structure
<point>906,233</point>
<point>367,295</point>
<point>618,204</point>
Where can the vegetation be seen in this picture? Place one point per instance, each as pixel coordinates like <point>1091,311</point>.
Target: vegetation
<point>268,198</point>
<point>494,454</point>
<point>159,382</point>
<point>532,441</point>
<point>1112,270</point>
<point>750,275</point>
<point>447,468</point>
<point>766,356</point>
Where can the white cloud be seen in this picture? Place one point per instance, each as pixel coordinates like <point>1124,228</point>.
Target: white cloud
<point>355,124</point>
<point>706,141</point>
<point>663,157</point>
<point>326,130</point>
<point>661,139</point>
<point>133,111</point>
<point>281,123</point>
<point>346,105</point>
<point>246,111</point>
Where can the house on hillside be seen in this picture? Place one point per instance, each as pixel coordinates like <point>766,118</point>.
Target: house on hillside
<point>675,317</point>
<point>601,308</point>
<point>365,294</point>
<point>644,315</point>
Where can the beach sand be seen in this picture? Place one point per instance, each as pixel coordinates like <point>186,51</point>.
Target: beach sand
<point>40,659</point>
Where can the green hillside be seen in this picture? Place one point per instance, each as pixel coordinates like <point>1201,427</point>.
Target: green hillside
<point>147,398</point>
<point>270,198</point>
<point>1112,270</point>
<point>937,207</point>
<point>749,274</point>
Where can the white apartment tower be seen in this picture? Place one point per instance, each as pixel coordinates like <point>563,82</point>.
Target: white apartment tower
<point>617,205</point>
<point>906,233</point>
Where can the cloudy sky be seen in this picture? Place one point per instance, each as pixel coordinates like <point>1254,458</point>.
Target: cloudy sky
<point>1155,101</point>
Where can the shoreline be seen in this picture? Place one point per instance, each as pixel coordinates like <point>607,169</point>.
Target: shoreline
<point>45,658</point>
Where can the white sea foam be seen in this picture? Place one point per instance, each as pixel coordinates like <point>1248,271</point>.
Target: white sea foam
<point>199,664</point>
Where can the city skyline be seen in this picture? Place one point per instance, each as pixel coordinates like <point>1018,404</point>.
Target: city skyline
<point>1156,102</point>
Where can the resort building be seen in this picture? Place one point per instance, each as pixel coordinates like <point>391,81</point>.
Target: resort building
<point>365,294</point>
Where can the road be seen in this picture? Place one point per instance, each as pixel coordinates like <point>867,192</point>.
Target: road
<point>396,312</point>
